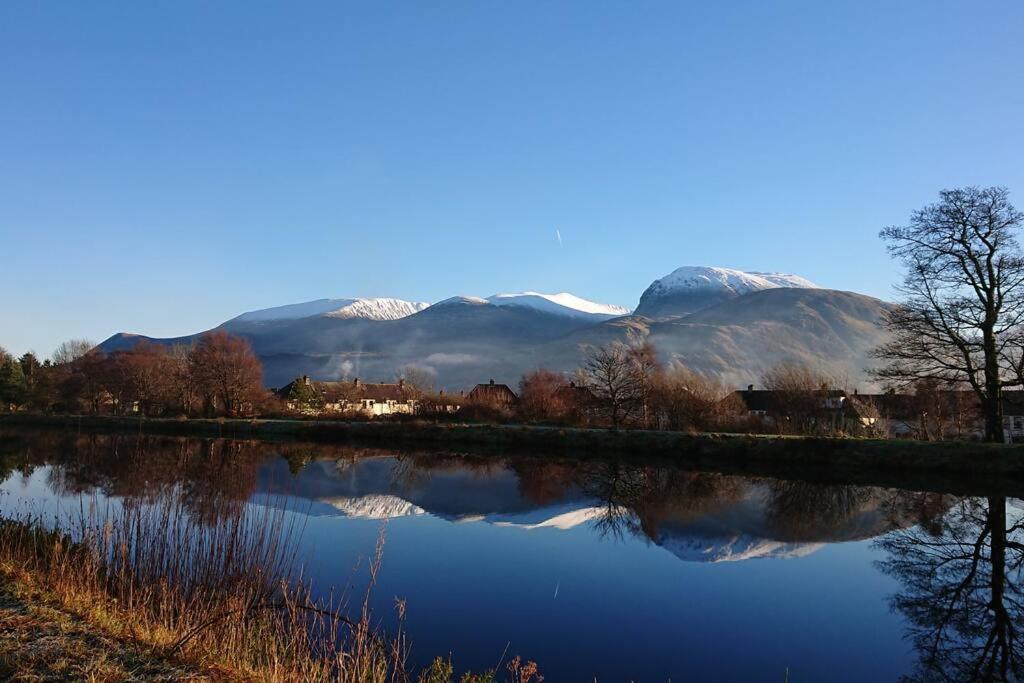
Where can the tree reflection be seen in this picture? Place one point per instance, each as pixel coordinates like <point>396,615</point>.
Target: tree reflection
<point>961,592</point>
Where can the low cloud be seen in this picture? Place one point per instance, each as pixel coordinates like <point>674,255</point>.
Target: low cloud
<point>452,359</point>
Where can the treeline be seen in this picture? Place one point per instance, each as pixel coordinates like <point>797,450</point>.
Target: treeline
<point>624,385</point>
<point>218,375</point>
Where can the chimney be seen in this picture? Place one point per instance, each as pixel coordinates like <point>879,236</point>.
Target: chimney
<point>750,387</point>
<point>492,382</point>
<point>305,380</point>
<point>356,382</point>
<point>401,383</point>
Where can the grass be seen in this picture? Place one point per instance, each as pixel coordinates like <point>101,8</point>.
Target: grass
<point>141,591</point>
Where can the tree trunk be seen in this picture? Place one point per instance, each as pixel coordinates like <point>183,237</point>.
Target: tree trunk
<point>993,404</point>
<point>993,407</point>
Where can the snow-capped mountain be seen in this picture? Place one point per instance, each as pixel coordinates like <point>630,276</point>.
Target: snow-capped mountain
<point>692,288</point>
<point>563,303</point>
<point>738,281</point>
<point>369,309</point>
<point>724,322</point>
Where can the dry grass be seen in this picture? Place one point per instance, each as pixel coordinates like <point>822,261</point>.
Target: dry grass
<point>165,592</point>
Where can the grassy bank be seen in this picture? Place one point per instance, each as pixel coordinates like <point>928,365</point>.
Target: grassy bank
<point>145,592</point>
<point>722,451</point>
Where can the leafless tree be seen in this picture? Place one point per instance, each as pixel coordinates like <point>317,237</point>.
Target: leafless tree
<point>610,373</point>
<point>963,298</point>
<point>419,381</point>
<point>686,400</point>
<point>70,351</point>
<point>805,399</point>
<point>226,371</point>
<point>647,370</point>
<point>538,399</point>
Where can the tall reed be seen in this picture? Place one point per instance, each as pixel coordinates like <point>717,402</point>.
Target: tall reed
<point>224,597</point>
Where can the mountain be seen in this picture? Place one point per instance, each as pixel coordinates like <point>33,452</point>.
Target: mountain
<point>693,288</point>
<point>368,309</point>
<point>737,326</point>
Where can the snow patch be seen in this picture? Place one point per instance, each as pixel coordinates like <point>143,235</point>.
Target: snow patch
<point>369,309</point>
<point>730,279</point>
<point>562,303</point>
<point>378,309</point>
<point>380,506</point>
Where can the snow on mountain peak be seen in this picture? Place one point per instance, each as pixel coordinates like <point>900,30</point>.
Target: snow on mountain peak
<point>730,279</point>
<point>370,309</point>
<point>462,300</point>
<point>378,309</point>
<point>562,303</point>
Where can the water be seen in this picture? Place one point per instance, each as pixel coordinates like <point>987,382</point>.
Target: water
<point>603,571</point>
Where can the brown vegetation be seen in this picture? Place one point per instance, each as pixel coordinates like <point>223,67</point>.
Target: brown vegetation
<point>219,375</point>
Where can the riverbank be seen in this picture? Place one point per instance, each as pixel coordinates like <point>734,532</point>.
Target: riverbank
<point>41,641</point>
<point>845,456</point>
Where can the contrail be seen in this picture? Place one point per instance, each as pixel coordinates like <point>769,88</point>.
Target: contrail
<point>556,590</point>
<point>559,236</point>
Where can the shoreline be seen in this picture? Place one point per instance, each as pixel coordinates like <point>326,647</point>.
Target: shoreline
<point>838,456</point>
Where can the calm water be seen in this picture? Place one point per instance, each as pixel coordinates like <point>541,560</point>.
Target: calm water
<point>596,570</point>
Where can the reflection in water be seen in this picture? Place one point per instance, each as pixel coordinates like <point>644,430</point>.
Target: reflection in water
<point>956,561</point>
<point>961,591</point>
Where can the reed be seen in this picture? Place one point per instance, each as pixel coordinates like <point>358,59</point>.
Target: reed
<point>224,598</point>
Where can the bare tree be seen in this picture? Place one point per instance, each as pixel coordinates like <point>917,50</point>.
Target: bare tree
<point>804,399</point>
<point>226,371</point>
<point>70,351</point>
<point>419,381</point>
<point>686,400</point>
<point>610,373</point>
<point>538,395</point>
<point>963,298</point>
<point>647,369</point>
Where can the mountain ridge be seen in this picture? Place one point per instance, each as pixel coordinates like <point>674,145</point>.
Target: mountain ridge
<point>464,340</point>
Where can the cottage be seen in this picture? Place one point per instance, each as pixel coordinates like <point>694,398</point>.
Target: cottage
<point>372,399</point>
<point>820,410</point>
<point>496,395</point>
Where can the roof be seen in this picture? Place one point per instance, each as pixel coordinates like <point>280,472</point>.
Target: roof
<point>756,399</point>
<point>492,392</point>
<point>356,390</point>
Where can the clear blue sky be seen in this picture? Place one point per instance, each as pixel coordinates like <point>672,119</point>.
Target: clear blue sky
<point>165,166</point>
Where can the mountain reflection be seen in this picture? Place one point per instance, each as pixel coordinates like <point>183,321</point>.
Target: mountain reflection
<point>701,517</point>
<point>961,591</point>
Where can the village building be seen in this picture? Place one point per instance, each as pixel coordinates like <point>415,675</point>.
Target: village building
<point>370,399</point>
<point>491,394</point>
<point>576,403</point>
<point>828,410</point>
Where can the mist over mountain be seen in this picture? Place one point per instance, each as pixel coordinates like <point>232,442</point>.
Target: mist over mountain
<point>723,322</point>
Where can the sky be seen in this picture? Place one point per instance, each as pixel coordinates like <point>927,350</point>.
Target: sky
<point>165,166</point>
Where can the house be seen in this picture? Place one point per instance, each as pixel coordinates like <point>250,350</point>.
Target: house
<point>495,395</point>
<point>1013,416</point>
<point>824,409</point>
<point>370,399</point>
<point>575,403</point>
